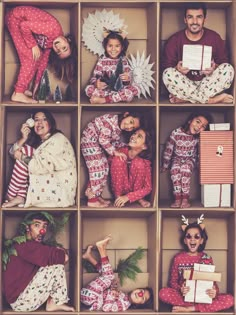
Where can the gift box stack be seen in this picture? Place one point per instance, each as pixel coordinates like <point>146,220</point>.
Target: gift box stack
<point>200,279</point>
<point>216,166</point>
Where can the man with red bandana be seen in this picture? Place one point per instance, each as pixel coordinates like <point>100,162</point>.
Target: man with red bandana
<point>36,274</point>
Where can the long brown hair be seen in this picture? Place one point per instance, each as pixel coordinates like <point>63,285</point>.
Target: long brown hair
<point>65,68</point>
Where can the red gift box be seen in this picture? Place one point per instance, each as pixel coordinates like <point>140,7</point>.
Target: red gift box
<point>216,157</point>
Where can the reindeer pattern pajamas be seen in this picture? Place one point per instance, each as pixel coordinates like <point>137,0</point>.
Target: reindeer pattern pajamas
<point>99,295</point>
<point>181,154</point>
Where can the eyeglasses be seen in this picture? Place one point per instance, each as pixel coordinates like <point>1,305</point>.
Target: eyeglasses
<point>195,236</point>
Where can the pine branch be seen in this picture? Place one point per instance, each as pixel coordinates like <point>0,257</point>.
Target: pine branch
<point>128,268</point>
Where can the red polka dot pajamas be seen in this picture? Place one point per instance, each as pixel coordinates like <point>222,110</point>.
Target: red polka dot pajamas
<point>131,177</point>
<point>172,295</point>
<point>108,66</point>
<point>181,153</point>
<point>31,26</point>
<point>100,136</point>
<point>99,295</point>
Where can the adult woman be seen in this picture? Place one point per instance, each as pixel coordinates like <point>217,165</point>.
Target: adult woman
<point>51,167</point>
<point>35,33</point>
<point>131,177</point>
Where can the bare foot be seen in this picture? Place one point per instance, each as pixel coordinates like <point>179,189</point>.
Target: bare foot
<point>176,204</point>
<point>106,202</point>
<point>144,203</point>
<point>28,93</point>
<point>175,100</point>
<point>22,98</point>
<point>88,253</point>
<point>89,193</point>
<point>17,201</point>
<point>103,243</point>
<point>185,203</point>
<point>96,204</point>
<point>97,100</point>
<point>183,309</point>
<point>221,98</point>
<point>52,307</point>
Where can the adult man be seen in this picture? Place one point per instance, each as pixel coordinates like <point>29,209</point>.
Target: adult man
<point>205,86</point>
<point>36,274</point>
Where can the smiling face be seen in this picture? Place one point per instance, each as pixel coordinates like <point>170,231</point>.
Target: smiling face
<point>139,296</point>
<point>193,240</point>
<point>194,21</point>
<point>113,48</point>
<point>129,123</point>
<point>197,125</point>
<point>37,230</point>
<point>41,125</point>
<point>137,140</point>
<point>61,47</point>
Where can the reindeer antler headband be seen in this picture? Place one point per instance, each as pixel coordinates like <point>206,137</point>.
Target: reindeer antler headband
<point>123,33</point>
<point>186,222</point>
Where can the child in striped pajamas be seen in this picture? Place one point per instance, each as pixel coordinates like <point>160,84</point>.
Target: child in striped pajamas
<point>181,153</point>
<point>193,239</point>
<point>103,294</point>
<point>101,137</point>
<point>111,79</point>
<point>36,34</point>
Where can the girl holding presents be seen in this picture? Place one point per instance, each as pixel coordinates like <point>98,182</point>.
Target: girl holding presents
<point>181,152</point>
<point>101,293</point>
<point>193,239</point>
<point>35,33</point>
<point>101,137</point>
<point>131,178</point>
<point>111,78</point>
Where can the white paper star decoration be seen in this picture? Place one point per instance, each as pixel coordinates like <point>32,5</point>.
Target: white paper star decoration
<point>142,73</point>
<point>92,31</point>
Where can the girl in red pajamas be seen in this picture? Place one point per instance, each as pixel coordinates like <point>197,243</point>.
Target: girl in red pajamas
<point>181,153</point>
<point>102,293</point>
<point>101,137</point>
<point>113,65</point>
<point>131,179</point>
<point>194,238</point>
<point>35,33</point>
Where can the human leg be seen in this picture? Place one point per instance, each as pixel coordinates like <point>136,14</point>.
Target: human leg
<point>98,169</point>
<point>125,95</point>
<point>176,182</point>
<point>18,186</point>
<point>27,65</point>
<point>92,294</point>
<point>219,81</point>
<point>219,303</point>
<point>48,283</point>
<point>186,170</point>
<point>119,176</point>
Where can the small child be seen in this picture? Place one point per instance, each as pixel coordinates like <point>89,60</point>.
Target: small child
<point>100,136</point>
<point>193,239</point>
<point>102,294</point>
<point>110,82</point>
<point>181,152</point>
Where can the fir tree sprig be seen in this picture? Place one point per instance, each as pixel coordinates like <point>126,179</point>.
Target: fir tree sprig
<point>56,225</point>
<point>128,268</point>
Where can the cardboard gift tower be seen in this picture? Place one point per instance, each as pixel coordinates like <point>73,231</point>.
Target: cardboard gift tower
<point>216,167</point>
<point>200,279</point>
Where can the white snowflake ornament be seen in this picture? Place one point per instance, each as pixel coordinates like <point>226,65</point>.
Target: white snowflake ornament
<point>93,28</point>
<point>141,72</point>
